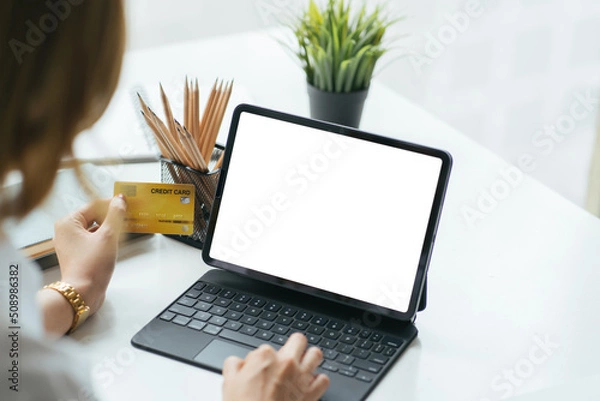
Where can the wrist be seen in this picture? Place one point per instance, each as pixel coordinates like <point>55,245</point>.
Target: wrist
<point>88,291</point>
<point>81,310</point>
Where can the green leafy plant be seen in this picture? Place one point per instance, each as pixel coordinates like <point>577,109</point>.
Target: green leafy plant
<point>339,49</point>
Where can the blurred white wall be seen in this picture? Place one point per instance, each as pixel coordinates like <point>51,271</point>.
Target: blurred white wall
<point>509,74</point>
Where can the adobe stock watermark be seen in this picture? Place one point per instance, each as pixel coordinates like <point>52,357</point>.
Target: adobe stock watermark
<point>544,141</point>
<point>439,40</point>
<point>277,11</point>
<point>58,11</point>
<point>296,182</point>
<point>506,383</point>
<point>106,371</point>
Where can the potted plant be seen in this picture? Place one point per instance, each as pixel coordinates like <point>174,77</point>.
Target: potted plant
<point>338,50</point>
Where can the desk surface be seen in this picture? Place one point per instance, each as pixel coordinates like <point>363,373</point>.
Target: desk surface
<point>513,296</point>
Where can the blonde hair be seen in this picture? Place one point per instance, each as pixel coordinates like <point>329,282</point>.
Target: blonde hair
<point>60,61</point>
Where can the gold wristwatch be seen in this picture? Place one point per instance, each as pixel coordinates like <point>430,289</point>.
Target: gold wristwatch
<point>81,310</point>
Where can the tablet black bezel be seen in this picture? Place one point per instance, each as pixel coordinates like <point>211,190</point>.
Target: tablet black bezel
<point>432,225</point>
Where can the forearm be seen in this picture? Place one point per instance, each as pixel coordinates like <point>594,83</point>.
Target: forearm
<point>57,312</point>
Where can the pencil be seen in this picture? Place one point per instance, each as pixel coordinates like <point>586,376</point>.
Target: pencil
<point>205,116</point>
<point>164,151</point>
<point>186,105</point>
<point>219,163</point>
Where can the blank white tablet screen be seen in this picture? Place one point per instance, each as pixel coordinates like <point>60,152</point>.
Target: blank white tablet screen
<point>332,212</point>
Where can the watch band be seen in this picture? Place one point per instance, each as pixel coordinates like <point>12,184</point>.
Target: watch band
<point>81,310</point>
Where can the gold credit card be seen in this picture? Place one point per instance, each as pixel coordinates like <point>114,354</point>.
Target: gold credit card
<point>158,208</point>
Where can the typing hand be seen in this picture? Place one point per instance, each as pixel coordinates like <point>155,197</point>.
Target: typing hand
<point>267,375</point>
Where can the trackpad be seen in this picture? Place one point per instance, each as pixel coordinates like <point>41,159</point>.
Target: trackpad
<point>215,353</point>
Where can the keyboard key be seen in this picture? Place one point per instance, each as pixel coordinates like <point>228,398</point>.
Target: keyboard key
<point>258,302</point>
<point>222,302</point>
<point>196,324</point>
<point>392,341</point>
<point>248,330</point>
<point>242,298</point>
<point>204,316</point>
<point>376,337</point>
<point>279,329</point>
<point>335,325</point>
<point>264,335</point>
<point>228,294</point>
<point>212,289</point>
<point>361,353</point>
<point>279,339</point>
<point>318,330</point>
<point>182,310</point>
<point>233,315</point>
<point>218,310</point>
<point>330,366</point>
<point>330,354</point>
<point>270,316</point>
<point>241,338</point>
<point>345,359</point>
<point>304,316</point>
<point>381,360</point>
<point>365,344</point>
<point>207,297</point>
<point>235,326</point>
<point>332,334</point>
<point>186,301</point>
<point>379,348</point>
<point>347,372</point>
<point>348,339</point>
<point>367,366</point>
<point>300,325</point>
<point>289,312</point>
<point>264,324</point>
<point>273,307</point>
<point>238,307</point>
<point>390,351</point>
<point>352,330</point>
<point>181,320</point>
<point>199,286</point>
<point>286,321</point>
<point>217,320</point>
<point>319,320</point>
<point>326,343</point>
<point>252,311</point>
<point>249,320</point>
<point>212,329</point>
<point>192,294</point>
<point>344,348</point>
<point>203,306</point>
<point>365,333</point>
<point>167,316</point>
<point>313,339</point>
<point>364,377</point>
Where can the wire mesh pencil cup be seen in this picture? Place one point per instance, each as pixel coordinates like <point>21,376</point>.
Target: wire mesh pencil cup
<point>205,185</point>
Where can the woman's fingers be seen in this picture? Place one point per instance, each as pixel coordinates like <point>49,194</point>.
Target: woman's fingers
<point>115,216</point>
<point>312,359</point>
<point>94,211</point>
<point>294,347</point>
<point>318,387</point>
<point>232,365</point>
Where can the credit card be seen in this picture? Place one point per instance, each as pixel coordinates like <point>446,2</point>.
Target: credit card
<point>158,208</point>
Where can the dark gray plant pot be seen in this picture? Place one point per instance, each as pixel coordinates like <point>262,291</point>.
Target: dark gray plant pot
<point>341,108</point>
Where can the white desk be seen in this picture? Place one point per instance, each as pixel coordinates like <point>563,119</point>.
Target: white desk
<point>530,268</point>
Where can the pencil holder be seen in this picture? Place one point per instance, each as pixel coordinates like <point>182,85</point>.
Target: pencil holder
<point>205,184</point>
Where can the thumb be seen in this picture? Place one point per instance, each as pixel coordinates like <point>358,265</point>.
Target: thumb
<point>115,216</point>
